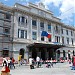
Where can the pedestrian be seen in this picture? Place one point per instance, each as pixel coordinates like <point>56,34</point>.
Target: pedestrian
<point>12,62</point>
<point>9,63</point>
<point>19,59</point>
<point>4,61</point>
<point>73,61</point>
<point>31,63</point>
<point>38,61</point>
<point>51,61</point>
<point>5,70</point>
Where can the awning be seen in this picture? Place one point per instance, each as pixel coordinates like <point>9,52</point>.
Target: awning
<point>53,46</point>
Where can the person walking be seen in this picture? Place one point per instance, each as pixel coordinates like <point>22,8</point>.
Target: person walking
<point>73,62</point>
<point>19,59</point>
<point>5,69</point>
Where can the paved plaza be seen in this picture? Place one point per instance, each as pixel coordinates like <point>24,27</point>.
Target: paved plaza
<point>58,69</point>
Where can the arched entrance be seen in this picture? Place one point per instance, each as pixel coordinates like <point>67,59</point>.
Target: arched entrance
<point>21,52</point>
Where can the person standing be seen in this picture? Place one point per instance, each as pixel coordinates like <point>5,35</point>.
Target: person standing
<point>38,61</point>
<point>31,63</point>
<point>51,61</point>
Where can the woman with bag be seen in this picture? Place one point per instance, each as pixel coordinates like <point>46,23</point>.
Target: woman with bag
<point>5,70</point>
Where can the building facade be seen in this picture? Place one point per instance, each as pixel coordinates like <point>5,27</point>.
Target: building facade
<point>26,26</point>
<point>6,22</point>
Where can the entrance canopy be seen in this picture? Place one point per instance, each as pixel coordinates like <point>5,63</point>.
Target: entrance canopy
<point>52,46</point>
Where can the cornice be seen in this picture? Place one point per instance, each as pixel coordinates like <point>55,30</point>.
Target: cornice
<point>4,7</point>
<point>35,6</point>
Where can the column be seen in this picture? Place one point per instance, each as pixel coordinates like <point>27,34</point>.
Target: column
<point>46,29</point>
<point>38,30</point>
<point>29,26</point>
<point>15,25</point>
<point>53,32</point>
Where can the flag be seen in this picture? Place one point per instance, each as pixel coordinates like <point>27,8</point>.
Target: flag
<point>49,36</point>
<point>44,33</point>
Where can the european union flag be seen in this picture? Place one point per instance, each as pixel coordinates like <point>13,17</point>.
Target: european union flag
<point>44,33</point>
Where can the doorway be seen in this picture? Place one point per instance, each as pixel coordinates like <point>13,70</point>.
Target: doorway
<point>21,52</point>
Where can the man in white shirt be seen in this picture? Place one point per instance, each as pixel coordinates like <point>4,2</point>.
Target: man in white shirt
<point>38,61</point>
<point>31,63</point>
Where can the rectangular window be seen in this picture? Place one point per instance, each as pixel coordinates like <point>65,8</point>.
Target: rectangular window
<point>56,29</point>
<point>22,19</point>
<point>34,35</point>
<point>22,33</point>
<point>57,39</point>
<point>34,22</point>
<point>71,33</point>
<point>67,32</point>
<point>42,24</point>
<point>18,33</point>
<point>62,31</point>
<point>72,41</point>
<point>49,27</point>
<point>8,16</point>
<point>26,34</point>
<point>62,40</point>
<point>19,19</point>
<point>67,40</point>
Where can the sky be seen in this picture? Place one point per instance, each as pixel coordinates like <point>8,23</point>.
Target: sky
<point>63,9</point>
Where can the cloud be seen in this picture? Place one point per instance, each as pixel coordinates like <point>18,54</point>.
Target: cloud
<point>24,0</point>
<point>66,8</point>
<point>5,0</point>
